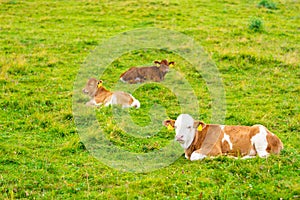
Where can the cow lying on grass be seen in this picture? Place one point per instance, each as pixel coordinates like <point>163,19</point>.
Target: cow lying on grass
<point>102,96</point>
<point>200,140</point>
<point>142,74</point>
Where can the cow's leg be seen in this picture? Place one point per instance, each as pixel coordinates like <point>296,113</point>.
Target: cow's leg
<point>138,80</point>
<point>91,103</point>
<point>197,156</point>
<point>156,79</point>
<point>186,156</point>
<point>206,151</point>
<point>248,156</point>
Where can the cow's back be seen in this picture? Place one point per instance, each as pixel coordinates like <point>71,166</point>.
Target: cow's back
<point>150,73</point>
<point>140,74</point>
<point>123,98</point>
<point>130,74</point>
<point>237,140</point>
<point>251,140</point>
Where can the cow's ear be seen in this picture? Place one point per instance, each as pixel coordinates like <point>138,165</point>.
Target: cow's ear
<point>157,62</point>
<point>99,84</point>
<point>199,125</point>
<point>171,63</point>
<point>168,122</point>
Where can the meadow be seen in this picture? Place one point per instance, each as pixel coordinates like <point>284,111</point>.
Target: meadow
<point>255,46</point>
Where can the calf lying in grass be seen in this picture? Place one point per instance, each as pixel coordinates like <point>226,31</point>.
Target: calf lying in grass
<point>200,140</point>
<point>102,96</point>
<point>142,74</point>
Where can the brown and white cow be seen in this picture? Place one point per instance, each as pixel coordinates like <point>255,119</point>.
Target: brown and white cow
<point>200,140</point>
<point>101,96</point>
<point>142,74</point>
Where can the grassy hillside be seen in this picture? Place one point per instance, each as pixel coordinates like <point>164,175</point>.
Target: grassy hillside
<point>43,46</point>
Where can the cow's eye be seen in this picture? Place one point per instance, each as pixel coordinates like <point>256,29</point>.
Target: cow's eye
<point>189,127</point>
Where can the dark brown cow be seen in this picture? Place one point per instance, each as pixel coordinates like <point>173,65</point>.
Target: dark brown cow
<point>142,74</point>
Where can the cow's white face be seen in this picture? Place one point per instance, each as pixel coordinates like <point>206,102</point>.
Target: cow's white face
<point>185,130</point>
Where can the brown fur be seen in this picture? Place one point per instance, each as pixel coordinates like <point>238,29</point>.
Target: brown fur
<point>102,95</point>
<point>142,74</point>
<point>209,140</point>
<point>274,143</point>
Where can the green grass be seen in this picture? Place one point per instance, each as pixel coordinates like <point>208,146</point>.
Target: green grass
<point>44,43</point>
<point>267,4</point>
<point>256,25</point>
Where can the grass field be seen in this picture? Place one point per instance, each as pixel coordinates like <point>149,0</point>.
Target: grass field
<point>43,44</point>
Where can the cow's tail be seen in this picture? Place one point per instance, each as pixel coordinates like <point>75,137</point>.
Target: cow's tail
<point>122,77</point>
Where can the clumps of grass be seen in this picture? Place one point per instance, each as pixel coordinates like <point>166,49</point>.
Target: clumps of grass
<point>256,24</point>
<point>267,4</point>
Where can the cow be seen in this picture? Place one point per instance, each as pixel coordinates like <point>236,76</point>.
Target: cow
<point>201,140</point>
<point>101,96</point>
<point>141,74</point>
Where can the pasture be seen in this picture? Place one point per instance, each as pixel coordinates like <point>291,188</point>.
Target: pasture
<point>255,46</point>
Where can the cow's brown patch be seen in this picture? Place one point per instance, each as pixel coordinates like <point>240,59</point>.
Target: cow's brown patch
<point>225,147</point>
<point>274,143</point>
<point>102,95</point>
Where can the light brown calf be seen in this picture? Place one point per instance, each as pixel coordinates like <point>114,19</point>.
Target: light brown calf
<point>102,96</point>
<point>200,140</point>
<point>142,74</point>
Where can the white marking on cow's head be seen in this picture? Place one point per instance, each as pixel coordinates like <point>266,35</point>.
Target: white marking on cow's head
<point>185,130</point>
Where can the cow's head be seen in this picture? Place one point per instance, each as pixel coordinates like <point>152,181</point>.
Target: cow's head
<point>185,128</point>
<point>91,86</point>
<point>164,65</point>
